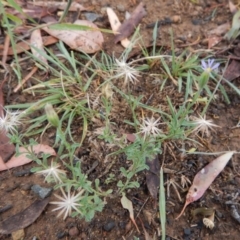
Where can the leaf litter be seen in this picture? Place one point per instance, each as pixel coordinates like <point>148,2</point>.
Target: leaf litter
<point>149,191</point>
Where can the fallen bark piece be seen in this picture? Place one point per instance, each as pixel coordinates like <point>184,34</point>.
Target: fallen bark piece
<point>129,25</point>
<point>23,219</point>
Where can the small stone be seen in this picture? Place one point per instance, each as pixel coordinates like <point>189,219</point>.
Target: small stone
<point>91,16</point>
<point>176,19</point>
<point>61,235</point>
<point>18,235</point>
<point>73,232</point>
<point>109,226</point>
<point>41,192</point>
<point>187,231</point>
<point>120,8</point>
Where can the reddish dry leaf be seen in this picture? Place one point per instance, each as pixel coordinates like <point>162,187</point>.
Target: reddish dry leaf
<point>22,159</point>
<point>81,40</point>
<point>7,149</point>
<point>23,219</point>
<point>213,41</point>
<point>233,71</point>
<point>130,137</point>
<point>128,26</point>
<point>204,178</point>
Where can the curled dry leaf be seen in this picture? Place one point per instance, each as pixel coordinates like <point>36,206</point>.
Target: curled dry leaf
<point>22,158</point>
<point>115,25</point>
<point>204,178</point>
<point>88,41</point>
<point>128,26</point>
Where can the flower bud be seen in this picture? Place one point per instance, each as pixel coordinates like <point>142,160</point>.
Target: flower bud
<point>52,116</point>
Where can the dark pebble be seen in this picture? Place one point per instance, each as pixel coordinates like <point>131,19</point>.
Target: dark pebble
<point>61,235</point>
<point>22,173</point>
<point>197,22</point>
<point>219,214</point>
<point>109,226</point>
<point>41,192</point>
<point>187,231</point>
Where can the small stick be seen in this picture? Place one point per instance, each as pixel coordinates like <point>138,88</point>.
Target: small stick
<point>25,79</point>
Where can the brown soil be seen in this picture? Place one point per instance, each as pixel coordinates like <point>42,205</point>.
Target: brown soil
<point>16,190</point>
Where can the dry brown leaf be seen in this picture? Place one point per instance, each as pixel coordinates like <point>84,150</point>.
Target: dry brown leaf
<point>88,41</point>
<point>22,159</point>
<point>220,30</point>
<point>213,41</point>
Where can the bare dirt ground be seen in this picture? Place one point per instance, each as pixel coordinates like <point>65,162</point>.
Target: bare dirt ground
<point>193,23</point>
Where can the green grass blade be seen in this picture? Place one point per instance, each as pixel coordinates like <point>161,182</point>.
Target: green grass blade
<point>162,205</point>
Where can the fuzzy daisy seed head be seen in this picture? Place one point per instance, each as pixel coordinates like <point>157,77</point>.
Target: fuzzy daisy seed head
<point>68,203</point>
<point>10,121</point>
<point>125,71</point>
<point>53,173</point>
<point>149,127</point>
<point>203,125</point>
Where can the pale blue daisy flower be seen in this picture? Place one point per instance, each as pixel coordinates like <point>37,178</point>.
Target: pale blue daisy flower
<point>209,65</point>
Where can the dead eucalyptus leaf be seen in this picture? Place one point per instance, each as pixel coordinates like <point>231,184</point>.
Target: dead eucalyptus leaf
<point>127,204</point>
<point>24,218</point>
<point>88,41</point>
<point>23,158</point>
<point>205,177</point>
